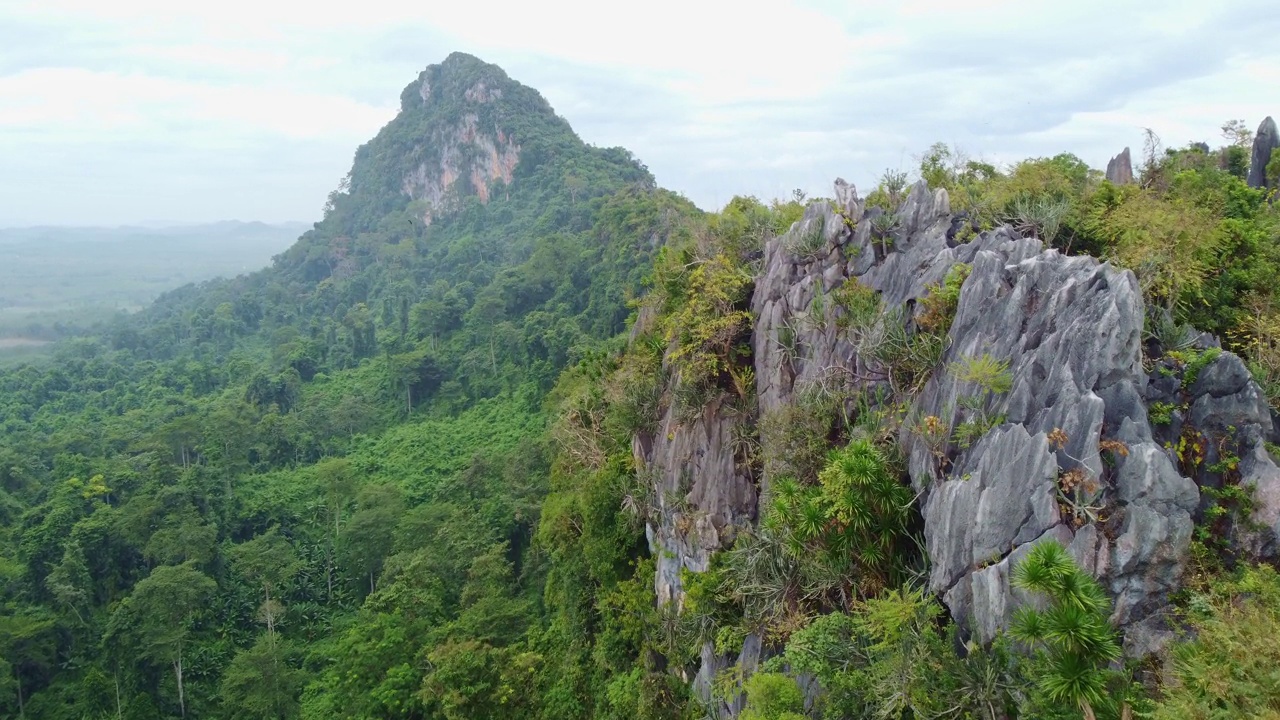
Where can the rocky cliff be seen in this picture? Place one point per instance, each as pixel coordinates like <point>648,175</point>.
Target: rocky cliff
<point>1094,444</point>
<point>465,158</point>
<point>465,131</point>
<point>1265,142</point>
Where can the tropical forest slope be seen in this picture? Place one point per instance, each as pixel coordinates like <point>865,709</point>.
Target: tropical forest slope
<point>514,433</point>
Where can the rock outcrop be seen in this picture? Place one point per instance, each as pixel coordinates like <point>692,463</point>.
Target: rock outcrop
<point>465,132</point>
<point>462,160</point>
<point>466,155</point>
<point>1120,168</point>
<point>1077,412</point>
<point>1265,141</point>
<point>701,493</point>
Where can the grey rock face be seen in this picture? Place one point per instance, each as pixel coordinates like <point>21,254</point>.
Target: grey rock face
<point>702,496</point>
<point>846,196</point>
<point>1003,498</point>
<point>1071,331</point>
<point>1120,168</point>
<point>1259,471</point>
<point>1265,141</point>
<point>1229,415</point>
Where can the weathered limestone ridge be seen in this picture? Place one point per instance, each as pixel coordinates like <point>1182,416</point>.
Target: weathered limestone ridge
<point>1071,330</point>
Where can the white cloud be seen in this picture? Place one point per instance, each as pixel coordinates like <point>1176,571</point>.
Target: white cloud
<point>717,97</point>
<point>83,103</point>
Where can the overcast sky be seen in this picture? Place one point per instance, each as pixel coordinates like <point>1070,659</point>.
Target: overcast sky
<point>147,111</point>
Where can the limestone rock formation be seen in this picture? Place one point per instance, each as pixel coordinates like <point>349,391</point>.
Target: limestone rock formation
<point>1265,141</point>
<point>1071,331</point>
<point>701,492</point>
<point>1079,407</point>
<point>466,155</point>
<point>1120,168</point>
<point>463,129</point>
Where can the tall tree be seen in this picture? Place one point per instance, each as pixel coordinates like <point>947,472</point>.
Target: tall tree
<point>260,683</point>
<point>271,562</point>
<point>157,616</point>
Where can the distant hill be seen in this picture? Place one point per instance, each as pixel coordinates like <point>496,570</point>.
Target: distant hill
<point>54,276</point>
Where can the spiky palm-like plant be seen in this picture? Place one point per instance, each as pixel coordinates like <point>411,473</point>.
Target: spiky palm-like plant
<point>848,529</point>
<point>868,506</point>
<point>1072,636</point>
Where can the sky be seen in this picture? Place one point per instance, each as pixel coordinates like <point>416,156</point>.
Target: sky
<point>154,111</point>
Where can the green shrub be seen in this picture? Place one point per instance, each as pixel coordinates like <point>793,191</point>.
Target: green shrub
<point>1039,216</point>
<point>708,327</point>
<point>890,658</point>
<point>794,437</point>
<point>1161,413</point>
<point>856,517</point>
<point>1172,335</point>
<point>772,696</point>
<point>990,374</point>
<point>808,245</point>
<point>1072,639</point>
<point>1227,668</point>
<point>1169,242</point>
<point>906,358</point>
<point>939,306</point>
<point>859,306</point>
<point>1196,363</point>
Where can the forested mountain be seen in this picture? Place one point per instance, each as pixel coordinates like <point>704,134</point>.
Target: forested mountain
<point>275,471</point>
<point>514,433</point>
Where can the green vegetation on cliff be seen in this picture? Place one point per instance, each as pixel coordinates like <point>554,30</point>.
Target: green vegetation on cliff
<point>394,475</point>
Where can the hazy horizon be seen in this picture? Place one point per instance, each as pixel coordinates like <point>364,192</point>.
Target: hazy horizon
<point>197,116</point>
<point>152,226</point>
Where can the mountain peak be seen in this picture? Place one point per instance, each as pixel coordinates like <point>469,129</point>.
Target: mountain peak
<point>460,76</point>
<point>465,130</point>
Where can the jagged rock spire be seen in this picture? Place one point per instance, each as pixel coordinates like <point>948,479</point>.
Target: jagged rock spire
<point>1120,168</point>
<point>1264,143</point>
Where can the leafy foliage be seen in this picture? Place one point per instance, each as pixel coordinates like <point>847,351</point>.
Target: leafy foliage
<point>708,326</point>
<point>889,658</point>
<point>1072,637</point>
<point>772,696</point>
<point>315,491</point>
<point>834,541</point>
<point>1226,666</point>
<point>395,475</point>
<point>939,306</point>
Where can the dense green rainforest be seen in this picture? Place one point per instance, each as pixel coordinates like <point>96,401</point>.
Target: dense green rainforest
<point>391,476</point>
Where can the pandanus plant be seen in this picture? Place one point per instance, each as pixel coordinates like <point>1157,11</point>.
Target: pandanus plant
<point>1072,636</point>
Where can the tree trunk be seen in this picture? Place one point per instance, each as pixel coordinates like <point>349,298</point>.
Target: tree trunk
<point>268,614</point>
<point>177,673</point>
<point>119,708</point>
<point>328,574</point>
<point>22,710</point>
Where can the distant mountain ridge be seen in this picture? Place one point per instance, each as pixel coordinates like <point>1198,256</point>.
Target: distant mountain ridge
<point>68,276</point>
<point>98,233</point>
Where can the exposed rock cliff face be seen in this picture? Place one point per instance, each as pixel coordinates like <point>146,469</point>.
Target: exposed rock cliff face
<point>1120,168</point>
<point>702,494</point>
<point>464,159</point>
<point>465,131</point>
<point>1265,141</point>
<point>1071,329</point>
